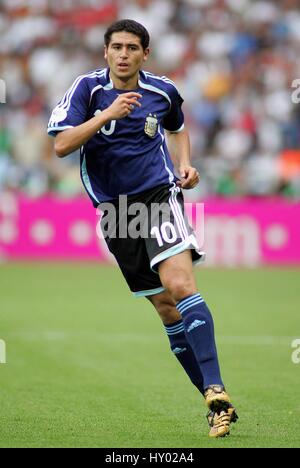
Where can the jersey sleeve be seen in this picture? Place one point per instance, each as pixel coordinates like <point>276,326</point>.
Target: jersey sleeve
<point>72,108</point>
<point>174,120</point>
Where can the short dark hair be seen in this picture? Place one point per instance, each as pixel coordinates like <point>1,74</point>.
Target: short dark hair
<point>129,26</point>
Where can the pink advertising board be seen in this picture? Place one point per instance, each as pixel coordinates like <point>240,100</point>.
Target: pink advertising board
<point>237,232</point>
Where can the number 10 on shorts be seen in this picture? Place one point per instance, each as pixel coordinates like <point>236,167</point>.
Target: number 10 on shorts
<point>167,233</point>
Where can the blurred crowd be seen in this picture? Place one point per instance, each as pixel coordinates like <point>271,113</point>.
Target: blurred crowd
<point>236,63</point>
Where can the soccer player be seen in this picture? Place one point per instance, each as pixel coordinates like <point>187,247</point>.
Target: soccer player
<point>118,116</point>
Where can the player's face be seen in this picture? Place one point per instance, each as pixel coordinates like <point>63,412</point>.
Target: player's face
<point>125,55</point>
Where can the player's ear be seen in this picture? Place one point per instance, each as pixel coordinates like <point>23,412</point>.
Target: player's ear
<point>146,54</point>
<point>105,52</point>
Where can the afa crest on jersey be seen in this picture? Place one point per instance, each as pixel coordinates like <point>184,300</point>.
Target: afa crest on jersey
<point>151,125</point>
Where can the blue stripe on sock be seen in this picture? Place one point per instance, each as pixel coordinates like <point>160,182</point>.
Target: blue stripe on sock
<point>176,332</point>
<point>197,299</point>
<point>187,300</point>
<point>191,305</point>
<point>173,327</point>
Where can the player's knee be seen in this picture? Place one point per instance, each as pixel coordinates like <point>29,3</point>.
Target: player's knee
<point>180,286</point>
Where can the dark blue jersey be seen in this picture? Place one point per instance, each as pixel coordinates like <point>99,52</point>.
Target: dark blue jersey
<point>129,155</point>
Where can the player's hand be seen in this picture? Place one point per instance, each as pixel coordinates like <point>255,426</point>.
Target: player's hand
<point>123,105</point>
<point>190,177</point>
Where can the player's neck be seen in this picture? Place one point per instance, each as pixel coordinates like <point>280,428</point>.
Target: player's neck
<point>125,84</point>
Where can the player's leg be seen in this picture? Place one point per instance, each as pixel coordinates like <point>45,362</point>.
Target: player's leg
<point>172,321</point>
<point>165,305</point>
<point>172,248</point>
<point>176,274</point>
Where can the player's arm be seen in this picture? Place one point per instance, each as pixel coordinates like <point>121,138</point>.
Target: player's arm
<point>180,150</point>
<point>71,139</point>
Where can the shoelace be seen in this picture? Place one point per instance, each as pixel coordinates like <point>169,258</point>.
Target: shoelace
<point>223,419</point>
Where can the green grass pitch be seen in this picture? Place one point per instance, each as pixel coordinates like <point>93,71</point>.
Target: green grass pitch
<point>88,365</point>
